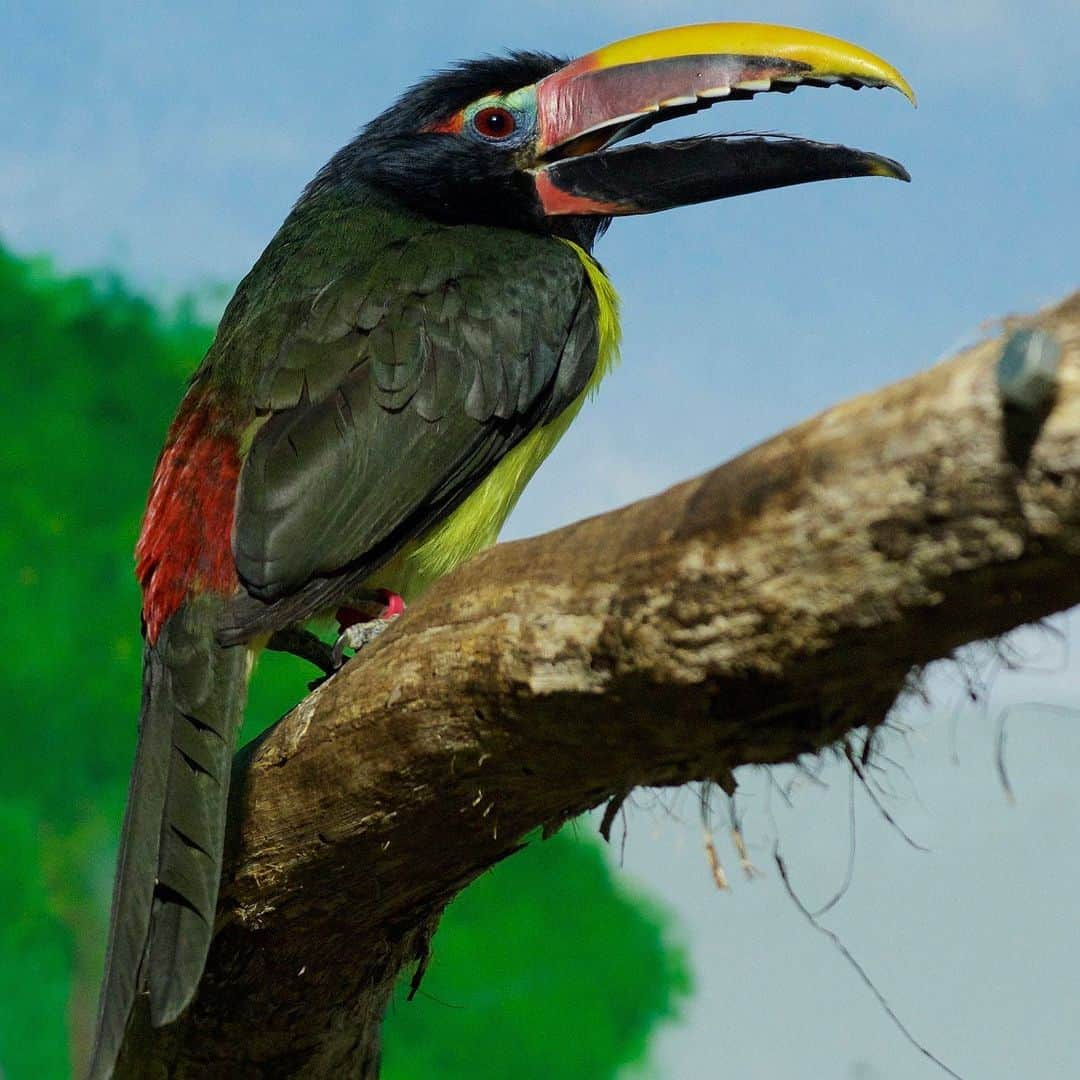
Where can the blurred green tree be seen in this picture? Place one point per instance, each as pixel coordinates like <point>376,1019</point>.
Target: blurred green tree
<point>546,952</point>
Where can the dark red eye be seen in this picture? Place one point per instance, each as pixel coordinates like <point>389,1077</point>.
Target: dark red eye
<point>494,122</point>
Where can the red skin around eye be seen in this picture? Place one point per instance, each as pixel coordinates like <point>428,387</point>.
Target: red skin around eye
<point>450,126</point>
<point>453,125</point>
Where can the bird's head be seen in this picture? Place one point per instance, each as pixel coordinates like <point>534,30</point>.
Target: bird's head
<point>526,141</point>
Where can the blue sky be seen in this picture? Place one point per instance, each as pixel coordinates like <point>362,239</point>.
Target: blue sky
<point>169,140</point>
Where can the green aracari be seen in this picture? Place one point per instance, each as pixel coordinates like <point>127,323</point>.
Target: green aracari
<point>405,353</point>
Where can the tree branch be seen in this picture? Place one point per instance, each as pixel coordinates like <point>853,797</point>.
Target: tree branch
<point>755,614</point>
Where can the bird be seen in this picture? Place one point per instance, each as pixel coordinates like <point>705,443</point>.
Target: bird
<point>385,381</point>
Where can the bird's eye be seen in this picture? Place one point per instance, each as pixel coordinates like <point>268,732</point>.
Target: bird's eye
<point>495,122</point>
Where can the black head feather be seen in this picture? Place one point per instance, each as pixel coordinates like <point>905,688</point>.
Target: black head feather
<point>442,176</point>
<point>446,92</point>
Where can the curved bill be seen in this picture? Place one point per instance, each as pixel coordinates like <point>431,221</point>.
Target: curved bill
<point>641,80</point>
<point>648,177</point>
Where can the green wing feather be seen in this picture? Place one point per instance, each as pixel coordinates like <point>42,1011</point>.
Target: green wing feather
<point>395,397</point>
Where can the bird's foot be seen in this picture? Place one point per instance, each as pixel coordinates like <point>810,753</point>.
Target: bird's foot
<point>355,637</point>
<point>307,646</point>
<point>357,630</point>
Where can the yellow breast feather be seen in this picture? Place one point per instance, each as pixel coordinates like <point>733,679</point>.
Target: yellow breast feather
<point>475,524</point>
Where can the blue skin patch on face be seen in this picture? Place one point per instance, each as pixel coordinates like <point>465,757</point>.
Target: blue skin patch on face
<point>516,110</point>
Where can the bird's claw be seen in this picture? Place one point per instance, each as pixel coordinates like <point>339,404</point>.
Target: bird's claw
<point>358,635</point>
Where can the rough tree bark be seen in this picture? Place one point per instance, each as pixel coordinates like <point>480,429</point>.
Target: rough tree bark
<point>755,614</point>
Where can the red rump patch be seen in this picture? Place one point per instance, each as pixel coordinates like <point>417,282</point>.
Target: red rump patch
<point>186,541</point>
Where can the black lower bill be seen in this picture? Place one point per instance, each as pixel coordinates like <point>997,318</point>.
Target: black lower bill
<point>648,177</point>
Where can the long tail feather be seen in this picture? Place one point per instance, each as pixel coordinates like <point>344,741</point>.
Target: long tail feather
<point>169,865</point>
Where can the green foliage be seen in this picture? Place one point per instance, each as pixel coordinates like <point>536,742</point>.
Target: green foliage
<point>93,374</point>
<point>547,968</point>
<point>34,960</point>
